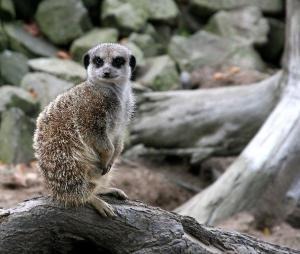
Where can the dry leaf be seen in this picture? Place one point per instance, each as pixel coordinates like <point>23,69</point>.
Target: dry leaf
<point>219,76</point>
<point>63,54</point>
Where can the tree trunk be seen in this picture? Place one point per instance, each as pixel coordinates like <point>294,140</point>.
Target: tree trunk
<point>41,226</point>
<point>199,124</point>
<point>264,172</point>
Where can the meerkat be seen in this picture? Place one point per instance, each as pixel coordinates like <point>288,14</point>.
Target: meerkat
<point>80,134</point>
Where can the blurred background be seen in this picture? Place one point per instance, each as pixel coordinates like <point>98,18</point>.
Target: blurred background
<point>199,64</point>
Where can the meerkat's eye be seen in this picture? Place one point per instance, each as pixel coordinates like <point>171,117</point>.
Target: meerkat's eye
<point>118,62</point>
<point>98,61</point>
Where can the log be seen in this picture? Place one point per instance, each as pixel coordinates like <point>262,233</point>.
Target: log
<point>203,123</point>
<point>262,175</point>
<point>41,226</point>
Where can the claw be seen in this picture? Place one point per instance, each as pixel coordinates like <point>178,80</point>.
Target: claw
<point>103,208</point>
<point>106,170</point>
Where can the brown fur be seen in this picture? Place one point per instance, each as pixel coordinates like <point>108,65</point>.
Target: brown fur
<point>80,134</point>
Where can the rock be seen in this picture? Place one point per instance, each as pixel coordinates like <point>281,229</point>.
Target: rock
<point>22,41</point>
<point>246,25</point>
<point>126,15</point>
<point>163,11</point>
<point>7,10</point>
<point>161,74</point>
<point>3,39</point>
<point>272,51</point>
<point>62,21</point>
<point>16,131</point>
<point>64,69</point>
<point>45,86</point>
<point>92,38</point>
<point>13,66</point>
<point>208,7</point>
<point>11,96</point>
<point>146,43</point>
<point>132,15</point>
<point>206,49</point>
<point>137,52</point>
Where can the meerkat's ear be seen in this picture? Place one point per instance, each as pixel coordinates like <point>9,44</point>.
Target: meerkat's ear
<point>86,60</point>
<point>132,62</point>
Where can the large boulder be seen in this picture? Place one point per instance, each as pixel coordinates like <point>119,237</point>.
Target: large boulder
<point>7,10</point>
<point>146,43</point>
<point>13,66</point>
<point>208,7</point>
<point>161,74</point>
<point>136,51</point>
<point>131,15</point>
<point>16,97</point>
<point>64,69</point>
<point>16,131</point>
<point>45,86</point>
<point>90,39</point>
<point>62,21</point>
<point>204,48</point>
<point>21,41</point>
<point>246,25</point>
<point>164,11</point>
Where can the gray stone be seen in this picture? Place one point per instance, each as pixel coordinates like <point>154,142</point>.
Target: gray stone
<point>246,25</point>
<point>64,69</point>
<point>204,48</point>
<point>7,10</point>
<point>126,15</point>
<point>13,66</point>
<point>62,21</point>
<point>137,52</point>
<point>161,74</point>
<point>45,86</point>
<point>92,38</point>
<point>207,7</point>
<point>164,11</point>
<point>11,96</point>
<point>132,15</point>
<point>16,131</point>
<point>22,41</point>
<point>146,43</point>
<point>3,39</point>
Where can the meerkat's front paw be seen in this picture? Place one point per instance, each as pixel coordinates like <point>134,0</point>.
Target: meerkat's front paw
<point>105,209</point>
<point>117,193</point>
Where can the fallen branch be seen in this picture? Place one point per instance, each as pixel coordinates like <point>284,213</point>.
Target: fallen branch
<point>41,226</point>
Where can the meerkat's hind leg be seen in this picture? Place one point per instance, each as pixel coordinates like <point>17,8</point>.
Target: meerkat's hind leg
<point>105,209</point>
<point>117,193</point>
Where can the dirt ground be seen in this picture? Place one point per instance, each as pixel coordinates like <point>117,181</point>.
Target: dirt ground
<point>157,184</point>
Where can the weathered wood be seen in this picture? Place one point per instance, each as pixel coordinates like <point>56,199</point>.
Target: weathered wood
<point>41,226</point>
<point>202,123</point>
<point>262,175</point>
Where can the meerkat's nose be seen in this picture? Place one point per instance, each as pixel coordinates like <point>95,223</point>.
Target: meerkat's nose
<point>106,74</point>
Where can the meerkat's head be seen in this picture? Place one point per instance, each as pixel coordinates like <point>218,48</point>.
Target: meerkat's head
<point>109,63</point>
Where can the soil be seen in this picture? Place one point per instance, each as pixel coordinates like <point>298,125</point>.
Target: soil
<point>162,184</point>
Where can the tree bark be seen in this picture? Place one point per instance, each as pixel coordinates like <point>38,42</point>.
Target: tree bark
<point>264,172</point>
<point>202,123</point>
<point>41,226</point>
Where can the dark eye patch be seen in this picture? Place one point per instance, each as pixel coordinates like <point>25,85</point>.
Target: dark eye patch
<point>97,61</point>
<point>118,62</point>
